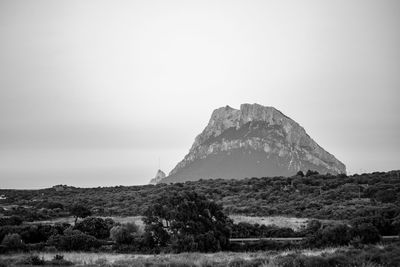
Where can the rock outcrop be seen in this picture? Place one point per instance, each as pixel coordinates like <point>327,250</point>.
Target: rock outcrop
<point>159,176</point>
<point>255,141</point>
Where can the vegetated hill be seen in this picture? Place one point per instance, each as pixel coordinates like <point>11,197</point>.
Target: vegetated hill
<point>318,196</point>
<point>254,141</point>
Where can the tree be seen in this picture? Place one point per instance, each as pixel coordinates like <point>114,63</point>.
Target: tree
<point>93,226</point>
<point>311,172</point>
<point>187,221</point>
<point>80,211</point>
<point>13,242</point>
<point>124,234</point>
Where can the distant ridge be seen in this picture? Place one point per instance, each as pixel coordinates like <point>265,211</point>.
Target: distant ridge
<point>253,141</point>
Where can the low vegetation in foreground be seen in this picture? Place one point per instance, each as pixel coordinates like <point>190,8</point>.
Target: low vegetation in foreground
<point>181,218</point>
<point>370,256</point>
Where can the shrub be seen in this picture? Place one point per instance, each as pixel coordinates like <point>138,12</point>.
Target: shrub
<point>313,226</point>
<point>124,234</point>
<point>311,173</point>
<point>74,240</point>
<point>367,233</point>
<point>13,242</point>
<point>244,230</point>
<point>336,235</point>
<point>33,260</point>
<point>12,220</point>
<point>93,226</point>
<point>79,211</point>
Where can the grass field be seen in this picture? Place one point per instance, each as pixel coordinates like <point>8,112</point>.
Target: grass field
<point>281,221</point>
<point>183,259</point>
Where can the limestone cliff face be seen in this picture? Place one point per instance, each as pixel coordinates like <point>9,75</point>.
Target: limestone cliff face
<point>159,176</point>
<point>252,142</point>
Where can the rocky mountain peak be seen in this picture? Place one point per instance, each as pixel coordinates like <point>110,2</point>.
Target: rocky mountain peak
<point>278,146</point>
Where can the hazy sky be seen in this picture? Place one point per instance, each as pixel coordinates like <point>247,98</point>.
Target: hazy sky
<point>93,93</point>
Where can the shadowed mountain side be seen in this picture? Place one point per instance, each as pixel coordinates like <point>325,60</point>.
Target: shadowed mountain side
<point>255,141</point>
<point>236,164</point>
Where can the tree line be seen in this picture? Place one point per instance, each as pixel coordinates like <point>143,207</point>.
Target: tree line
<point>177,221</point>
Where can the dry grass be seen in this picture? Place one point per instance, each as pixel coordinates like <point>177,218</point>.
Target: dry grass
<point>185,259</point>
<point>280,221</point>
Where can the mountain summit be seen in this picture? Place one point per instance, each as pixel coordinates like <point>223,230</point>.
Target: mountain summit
<point>255,141</point>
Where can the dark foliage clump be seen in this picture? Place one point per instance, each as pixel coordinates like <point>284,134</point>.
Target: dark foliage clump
<point>94,226</point>
<point>31,234</point>
<point>74,240</point>
<point>13,242</point>
<point>187,221</point>
<point>80,211</point>
<point>246,230</point>
<point>32,260</point>
<point>11,220</point>
<point>124,234</point>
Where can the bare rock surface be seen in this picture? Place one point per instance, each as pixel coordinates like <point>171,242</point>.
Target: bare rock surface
<point>254,141</point>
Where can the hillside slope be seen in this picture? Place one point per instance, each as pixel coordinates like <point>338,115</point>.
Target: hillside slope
<point>254,141</point>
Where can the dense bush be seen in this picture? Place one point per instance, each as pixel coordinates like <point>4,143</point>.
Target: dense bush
<point>124,234</point>
<point>341,234</point>
<point>244,230</point>
<point>74,240</point>
<point>33,233</point>
<point>186,221</point>
<point>334,235</point>
<point>79,211</point>
<point>13,242</point>
<point>367,233</point>
<point>316,196</point>
<point>12,220</point>
<point>94,226</point>
<point>384,220</point>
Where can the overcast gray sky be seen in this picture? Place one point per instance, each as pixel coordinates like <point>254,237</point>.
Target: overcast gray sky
<point>93,93</point>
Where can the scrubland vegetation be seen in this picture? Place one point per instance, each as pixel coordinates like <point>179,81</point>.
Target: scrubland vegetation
<point>338,197</point>
<point>370,256</point>
<point>193,217</point>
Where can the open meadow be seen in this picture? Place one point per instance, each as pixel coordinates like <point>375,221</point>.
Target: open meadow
<point>265,258</point>
<point>371,256</point>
